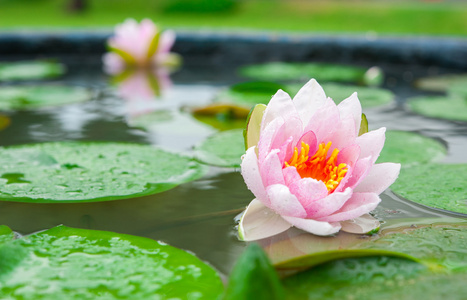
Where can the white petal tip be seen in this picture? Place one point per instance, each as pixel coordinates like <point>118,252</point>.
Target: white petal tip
<point>365,224</point>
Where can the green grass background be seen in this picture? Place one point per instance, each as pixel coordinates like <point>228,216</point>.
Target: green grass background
<point>381,17</point>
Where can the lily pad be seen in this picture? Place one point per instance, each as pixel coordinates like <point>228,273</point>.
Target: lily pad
<point>5,234</point>
<point>409,148</point>
<point>368,96</point>
<point>222,116</point>
<point>450,108</point>
<point>250,93</point>
<point>68,263</point>
<point>33,97</point>
<point>280,71</point>
<point>222,149</point>
<point>88,172</point>
<point>440,186</point>
<point>30,70</point>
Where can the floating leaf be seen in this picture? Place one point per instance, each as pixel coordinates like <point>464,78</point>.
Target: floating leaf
<point>250,93</point>
<point>222,116</point>
<point>408,148</point>
<point>436,185</point>
<point>450,108</point>
<point>280,71</point>
<point>222,149</point>
<point>68,263</point>
<point>30,70</point>
<point>88,172</point>
<point>368,96</point>
<point>5,234</point>
<point>253,277</point>
<point>373,76</point>
<point>362,278</point>
<point>32,97</point>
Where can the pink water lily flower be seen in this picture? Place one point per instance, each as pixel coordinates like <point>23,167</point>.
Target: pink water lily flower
<point>310,168</point>
<point>139,45</point>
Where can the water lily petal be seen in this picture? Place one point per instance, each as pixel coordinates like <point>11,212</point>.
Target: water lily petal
<point>284,202</point>
<point>259,222</point>
<point>311,192</point>
<point>166,41</point>
<point>325,206</point>
<point>313,226</point>
<point>371,143</point>
<point>323,121</point>
<point>268,135</point>
<point>351,107</point>
<point>290,175</point>
<point>280,106</point>
<point>379,178</point>
<point>361,225</point>
<point>343,134</point>
<point>308,99</point>
<point>271,169</point>
<point>357,205</point>
<point>360,170</point>
<point>251,175</point>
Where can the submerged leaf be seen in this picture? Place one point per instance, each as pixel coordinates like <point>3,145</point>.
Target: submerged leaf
<point>87,172</point>
<point>253,277</point>
<point>89,264</point>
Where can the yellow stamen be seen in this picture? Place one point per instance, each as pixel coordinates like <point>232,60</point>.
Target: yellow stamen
<point>319,166</point>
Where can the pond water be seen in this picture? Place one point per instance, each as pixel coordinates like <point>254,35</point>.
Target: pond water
<point>198,216</point>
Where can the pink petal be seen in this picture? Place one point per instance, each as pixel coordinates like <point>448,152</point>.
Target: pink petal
<point>252,177</point>
<point>361,225</point>
<point>371,143</point>
<point>343,134</point>
<point>325,206</point>
<point>166,41</point>
<point>286,150</point>
<point>280,106</point>
<point>271,169</point>
<point>259,222</point>
<point>323,122</point>
<point>308,138</point>
<point>113,63</point>
<point>290,175</point>
<point>349,155</point>
<point>284,202</point>
<point>359,204</point>
<point>313,226</point>
<point>268,135</point>
<point>309,191</point>
<point>351,107</point>
<point>358,173</point>
<point>379,178</point>
<point>307,101</point>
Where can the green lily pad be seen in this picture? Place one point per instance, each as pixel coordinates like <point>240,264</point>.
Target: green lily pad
<point>30,70</point>
<point>368,96</point>
<point>250,93</point>
<point>88,172</point>
<point>409,148</point>
<point>68,263</point>
<point>222,149</point>
<point>254,266</point>
<point>281,71</point>
<point>440,186</point>
<point>450,108</point>
<point>33,97</point>
<point>5,234</point>
<point>222,116</point>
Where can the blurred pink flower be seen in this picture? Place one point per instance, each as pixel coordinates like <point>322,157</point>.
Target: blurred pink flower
<point>311,169</point>
<point>139,45</point>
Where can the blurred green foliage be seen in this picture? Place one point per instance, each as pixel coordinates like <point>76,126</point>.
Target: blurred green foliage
<point>200,6</point>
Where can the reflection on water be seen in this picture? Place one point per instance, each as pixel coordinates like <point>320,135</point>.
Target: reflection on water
<point>197,216</point>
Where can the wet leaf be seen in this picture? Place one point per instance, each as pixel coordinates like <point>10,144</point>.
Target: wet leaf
<point>440,186</point>
<point>250,93</point>
<point>30,70</point>
<point>33,97</point>
<point>5,234</point>
<point>222,149</point>
<point>88,264</point>
<point>409,148</point>
<point>450,108</point>
<point>281,71</point>
<point>88,172</point>
<point>253,277</point>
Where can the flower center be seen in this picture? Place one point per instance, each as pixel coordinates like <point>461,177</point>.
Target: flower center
<point>319,166</point>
